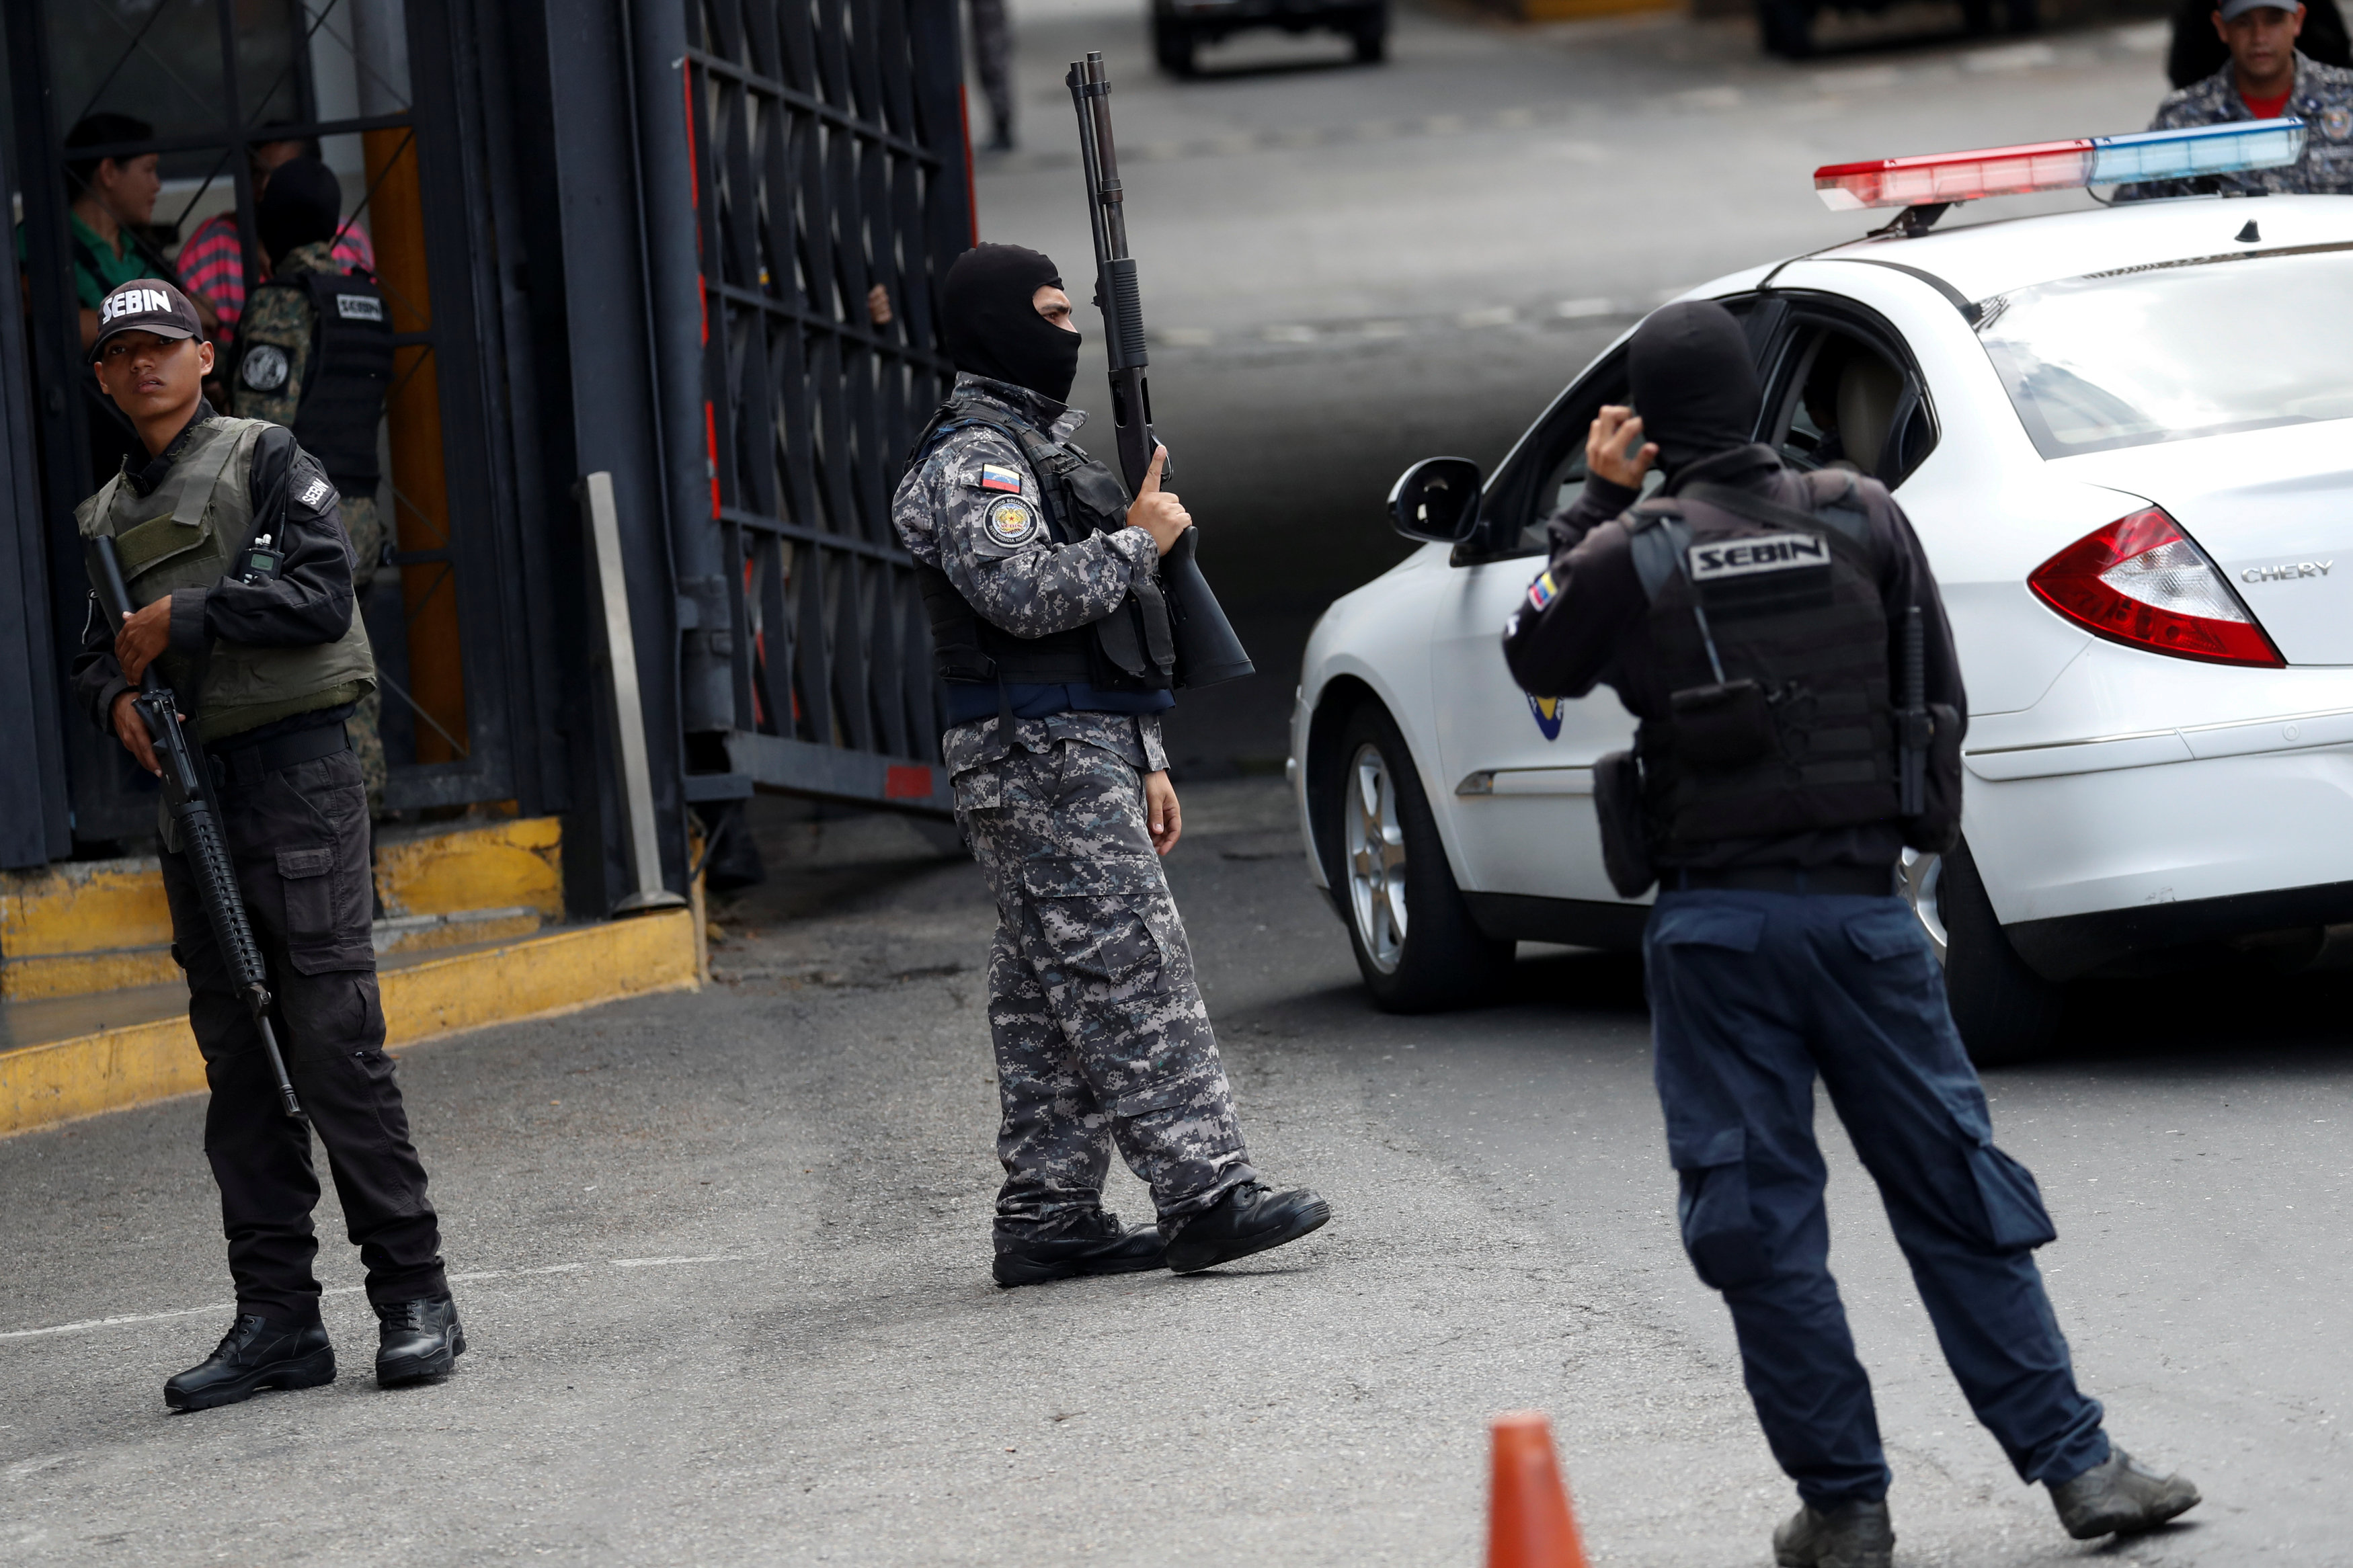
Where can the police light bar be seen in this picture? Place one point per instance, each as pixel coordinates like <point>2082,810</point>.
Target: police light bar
<point>1939,177</point>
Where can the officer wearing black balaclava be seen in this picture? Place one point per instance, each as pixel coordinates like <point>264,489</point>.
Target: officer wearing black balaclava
<point>1761,624</point>
<point>1053,642</point>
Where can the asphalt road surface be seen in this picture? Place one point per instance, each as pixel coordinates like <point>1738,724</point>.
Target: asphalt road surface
<point>724,1263</point>
<point>722,1259</point>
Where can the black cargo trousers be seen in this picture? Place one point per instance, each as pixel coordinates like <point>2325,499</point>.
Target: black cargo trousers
<point>299,835</point>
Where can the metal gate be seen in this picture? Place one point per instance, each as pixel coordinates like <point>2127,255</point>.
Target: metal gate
<point>831,186</point>
<point>204,85</point>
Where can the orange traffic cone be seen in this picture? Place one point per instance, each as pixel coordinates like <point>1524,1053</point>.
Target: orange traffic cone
<point>1529,1524</point>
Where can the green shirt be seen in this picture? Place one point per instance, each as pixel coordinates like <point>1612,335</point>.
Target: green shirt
<point>92,286</point>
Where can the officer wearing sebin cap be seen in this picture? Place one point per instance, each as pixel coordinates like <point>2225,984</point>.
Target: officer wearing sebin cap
<point>231,545</point>
<point>2265,77</point>
<point>1048,623</point>
<point>1779,636</point>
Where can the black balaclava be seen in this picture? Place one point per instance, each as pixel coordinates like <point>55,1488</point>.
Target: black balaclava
<point>1691,379</point>
<point>302,206</point>
<point>992,325</point>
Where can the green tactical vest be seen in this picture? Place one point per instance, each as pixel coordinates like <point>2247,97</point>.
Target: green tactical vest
<point>185,535</point>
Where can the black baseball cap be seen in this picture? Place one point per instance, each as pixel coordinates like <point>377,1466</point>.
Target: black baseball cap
<point>145,305</point>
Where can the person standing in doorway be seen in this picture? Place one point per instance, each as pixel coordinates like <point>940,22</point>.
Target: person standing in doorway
<point>316,357</point>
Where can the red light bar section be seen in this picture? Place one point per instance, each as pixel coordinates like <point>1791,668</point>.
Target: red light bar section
<point>1955,176</point>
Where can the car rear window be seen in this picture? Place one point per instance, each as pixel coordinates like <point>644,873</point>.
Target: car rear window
<point>2175,352</point>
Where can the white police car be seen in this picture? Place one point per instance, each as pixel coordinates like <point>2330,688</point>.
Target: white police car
<point>2123,435</point>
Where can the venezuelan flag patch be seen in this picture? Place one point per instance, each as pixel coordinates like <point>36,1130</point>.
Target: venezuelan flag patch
<point>993,478</point>
<point>1543,591</point>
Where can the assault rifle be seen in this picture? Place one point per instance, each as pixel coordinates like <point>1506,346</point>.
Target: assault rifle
<point>1207,651</point>
<point>186,795</point>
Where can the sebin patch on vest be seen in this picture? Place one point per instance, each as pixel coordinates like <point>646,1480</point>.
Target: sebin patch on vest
<point>1761,574</point>
<point>265,367</point>
<point>359,307</point>
<point>1745,557</point>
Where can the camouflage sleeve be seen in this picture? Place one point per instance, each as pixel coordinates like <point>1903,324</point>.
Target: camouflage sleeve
<point>992,541</point>
<point>273,340</point>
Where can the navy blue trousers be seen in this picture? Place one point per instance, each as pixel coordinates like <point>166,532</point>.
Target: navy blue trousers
<point>1752,995</point>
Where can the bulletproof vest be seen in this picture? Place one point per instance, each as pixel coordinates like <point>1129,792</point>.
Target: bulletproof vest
<point>184,535</point>
<point>344,376</point>
<point>1769,627</point>
<point>1133,649</point>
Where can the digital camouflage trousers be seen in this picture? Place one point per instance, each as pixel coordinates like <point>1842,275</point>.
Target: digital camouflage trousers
<point>1100,1033</point>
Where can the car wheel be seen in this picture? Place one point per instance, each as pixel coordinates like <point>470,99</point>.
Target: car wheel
<point>1371,38</point>
<point>2005,1011</point>
<point>1172,46</point>
<point>1415,942</point>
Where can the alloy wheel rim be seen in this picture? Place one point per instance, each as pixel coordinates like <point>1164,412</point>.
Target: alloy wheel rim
<point>1376,858</point>
<point>1920,874</point>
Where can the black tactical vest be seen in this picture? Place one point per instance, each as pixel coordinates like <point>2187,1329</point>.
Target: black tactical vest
<point>1768,624</point>
<point>1133,649</point>
<point>345,376</point>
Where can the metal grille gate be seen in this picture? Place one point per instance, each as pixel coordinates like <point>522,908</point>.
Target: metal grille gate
<point>215,78</point>
<point>829,160</point>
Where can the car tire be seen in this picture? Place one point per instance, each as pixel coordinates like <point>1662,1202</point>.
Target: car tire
<point>1371,38</point>
<point>1172,46</point>
<point>2005,1011</point>
<point>1415,942</point>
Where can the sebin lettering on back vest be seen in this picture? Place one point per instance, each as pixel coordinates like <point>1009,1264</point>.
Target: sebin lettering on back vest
<point>1769,625</point>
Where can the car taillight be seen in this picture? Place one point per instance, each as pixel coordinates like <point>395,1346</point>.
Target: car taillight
<point>2140,581</point>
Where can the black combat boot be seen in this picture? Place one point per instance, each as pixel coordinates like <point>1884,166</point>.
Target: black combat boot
<point>1102,1246</point>
<point>2120,1496</point>
<point>256,1353</point>
<point>1250,1219</point>
<point>1851,1535</point>
<point>418,1340</point>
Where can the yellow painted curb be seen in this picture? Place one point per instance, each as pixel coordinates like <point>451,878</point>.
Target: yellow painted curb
<point>517,863</point>
<point>561,972</point>
<point>40,977</point>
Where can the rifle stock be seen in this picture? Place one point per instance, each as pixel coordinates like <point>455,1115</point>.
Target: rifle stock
<point>190,803</point>
<point>1207,651</point>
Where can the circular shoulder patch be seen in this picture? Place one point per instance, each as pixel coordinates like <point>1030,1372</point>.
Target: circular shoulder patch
<point>1011,522</point>
<point>265,367</point>
<point>2338,121</point>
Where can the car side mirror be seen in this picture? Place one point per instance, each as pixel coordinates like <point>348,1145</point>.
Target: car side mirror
<point>1437,499</point>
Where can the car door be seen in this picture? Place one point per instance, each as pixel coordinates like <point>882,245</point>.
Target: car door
<point>1517,770</point>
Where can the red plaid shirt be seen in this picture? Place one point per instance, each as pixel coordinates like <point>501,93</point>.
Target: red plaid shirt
<point>212,263</point>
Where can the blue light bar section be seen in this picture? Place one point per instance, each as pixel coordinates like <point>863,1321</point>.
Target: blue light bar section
<point>2197,150</point>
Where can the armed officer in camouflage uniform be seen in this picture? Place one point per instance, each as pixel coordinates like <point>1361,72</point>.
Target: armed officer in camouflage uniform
<point>267,654</point>
<point>1052,636</point>
<point>1755,620</point>
<point>315,355</point>
<point>2265,79</point>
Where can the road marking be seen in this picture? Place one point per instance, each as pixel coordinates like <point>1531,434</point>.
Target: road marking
<point>88,1324</point>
